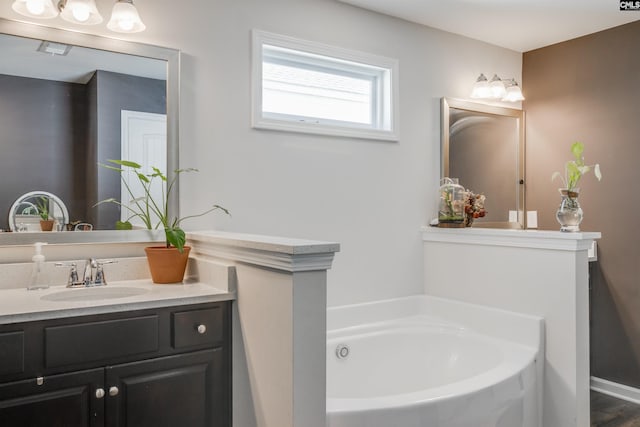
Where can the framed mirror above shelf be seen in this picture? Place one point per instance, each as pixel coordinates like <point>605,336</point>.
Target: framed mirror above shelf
<point>56,144</point>
<point>484,147</point>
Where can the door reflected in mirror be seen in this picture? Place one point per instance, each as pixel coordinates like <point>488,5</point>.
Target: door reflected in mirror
<point>483,146</point>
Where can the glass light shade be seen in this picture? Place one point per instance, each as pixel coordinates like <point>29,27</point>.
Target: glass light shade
<point>82,12</point>
<point>125,18</point>
<point>496,85</point>
<point>481,88</point>
<point>514,94</point>
<point>35,8</point>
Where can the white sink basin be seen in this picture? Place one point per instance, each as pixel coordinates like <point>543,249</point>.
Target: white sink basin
<point>94,294</point>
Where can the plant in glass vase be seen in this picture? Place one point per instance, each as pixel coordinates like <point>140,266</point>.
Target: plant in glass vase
<point>570,214</point>
<point>154,213</point>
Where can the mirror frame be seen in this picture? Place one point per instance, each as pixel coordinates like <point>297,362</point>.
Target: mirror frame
<point>172,57</point>
<point>445,105</point>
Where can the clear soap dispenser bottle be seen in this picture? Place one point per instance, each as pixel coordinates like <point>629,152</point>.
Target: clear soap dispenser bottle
<point>38,279</point>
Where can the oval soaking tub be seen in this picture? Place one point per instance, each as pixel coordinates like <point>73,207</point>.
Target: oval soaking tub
<point>430,362</point>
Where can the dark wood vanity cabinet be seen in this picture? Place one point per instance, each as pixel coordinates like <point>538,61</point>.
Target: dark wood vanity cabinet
<point>160,367</point>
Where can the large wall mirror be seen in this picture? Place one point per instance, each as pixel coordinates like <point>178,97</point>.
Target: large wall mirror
<point>483,146</point>
<point>70,101</point>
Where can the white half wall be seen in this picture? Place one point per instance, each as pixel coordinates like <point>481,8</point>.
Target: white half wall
<point>372,197</point>
<point>543,273</point>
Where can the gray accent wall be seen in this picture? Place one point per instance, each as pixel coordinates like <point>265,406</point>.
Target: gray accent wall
<point>586,90</point>
<point>110,93</point>
<point>43,138</point>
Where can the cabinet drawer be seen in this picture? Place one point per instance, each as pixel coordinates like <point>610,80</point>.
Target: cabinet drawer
<point>197,327</point>
<point>100,341</point>
<point>12,353</point>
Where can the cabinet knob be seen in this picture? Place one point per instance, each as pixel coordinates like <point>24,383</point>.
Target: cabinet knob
<point>100,393</point>
<point>113,391</point>
<point>202,329</point>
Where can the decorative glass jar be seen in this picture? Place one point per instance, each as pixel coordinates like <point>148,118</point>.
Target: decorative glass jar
<point>569,214</point>
<point>452,200</point>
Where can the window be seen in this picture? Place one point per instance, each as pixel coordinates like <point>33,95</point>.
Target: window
<point>307,87</point>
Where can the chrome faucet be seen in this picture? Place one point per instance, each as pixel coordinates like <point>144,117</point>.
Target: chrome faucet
<point>93,273</point>
<point>90,265</point>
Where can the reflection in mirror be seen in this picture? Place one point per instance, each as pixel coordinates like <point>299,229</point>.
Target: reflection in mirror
<point>84,100</point>
<point>483,146</point>
<point>27,211</point>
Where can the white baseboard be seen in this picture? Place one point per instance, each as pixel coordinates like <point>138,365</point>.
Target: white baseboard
<point>621,391</point>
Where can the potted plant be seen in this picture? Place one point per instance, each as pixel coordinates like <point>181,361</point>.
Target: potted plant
<point>569,214</point>
<point>167,263</point>
<point>42,204</point>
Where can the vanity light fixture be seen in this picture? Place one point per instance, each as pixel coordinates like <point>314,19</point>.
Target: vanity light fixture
<point>44,9</point>
<point>504,90</point>
<point>513,92</point>
<point>497,87</point>
<point>82,12</point>
<point>481,88</point>
<point>124,17</point>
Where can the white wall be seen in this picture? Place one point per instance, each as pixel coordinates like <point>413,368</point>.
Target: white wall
<point>372,197</point>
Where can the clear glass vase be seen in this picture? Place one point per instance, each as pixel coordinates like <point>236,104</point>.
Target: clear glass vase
<point>569,214</point>
<point>452,200</point>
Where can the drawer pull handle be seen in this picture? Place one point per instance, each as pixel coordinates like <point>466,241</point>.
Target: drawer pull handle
<point>113,391</point>
<point>100,393</point>
<point>202,329</point>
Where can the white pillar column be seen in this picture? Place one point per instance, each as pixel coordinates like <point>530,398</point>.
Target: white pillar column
<point>279,327</point>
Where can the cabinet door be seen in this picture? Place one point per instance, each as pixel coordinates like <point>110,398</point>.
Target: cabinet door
<point>183,390</point>
<point>65,400</point>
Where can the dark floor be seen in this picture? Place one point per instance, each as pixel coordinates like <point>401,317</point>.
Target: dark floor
<point>607,411</point>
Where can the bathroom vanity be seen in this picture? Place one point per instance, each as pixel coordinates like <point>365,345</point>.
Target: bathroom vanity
<point>158,359</point>
<point>163,366</point>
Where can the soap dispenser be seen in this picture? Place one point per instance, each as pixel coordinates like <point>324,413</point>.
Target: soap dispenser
<point>38,279</point>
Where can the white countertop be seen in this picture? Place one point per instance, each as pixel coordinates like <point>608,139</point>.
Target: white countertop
<point>22,305</point>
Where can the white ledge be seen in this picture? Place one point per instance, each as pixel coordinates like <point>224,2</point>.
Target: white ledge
<point>537,239</point>
<point>294,255</point>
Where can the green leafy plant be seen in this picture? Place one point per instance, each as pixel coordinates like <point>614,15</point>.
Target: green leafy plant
<point>575,169</point>
<point>145,207</point>
<point>43,207</point>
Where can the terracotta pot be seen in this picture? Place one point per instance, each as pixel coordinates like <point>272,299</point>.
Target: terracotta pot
<point>46,225</point>
<point>167,265</point>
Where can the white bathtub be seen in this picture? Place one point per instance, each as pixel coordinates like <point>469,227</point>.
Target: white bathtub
<point>431,362</point>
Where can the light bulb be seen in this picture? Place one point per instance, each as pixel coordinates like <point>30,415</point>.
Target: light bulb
<point>126,24</point>
<point>81,12</point>
<point>35,7</point>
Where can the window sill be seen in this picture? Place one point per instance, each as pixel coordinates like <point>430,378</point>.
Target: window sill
<point>320,129</point>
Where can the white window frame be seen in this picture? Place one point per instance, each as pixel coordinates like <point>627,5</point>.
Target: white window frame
<point>383,70</point>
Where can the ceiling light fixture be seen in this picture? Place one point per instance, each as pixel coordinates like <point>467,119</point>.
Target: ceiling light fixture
<point>504,90</point>
<point>54,48</point>
<point>124,17</point>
